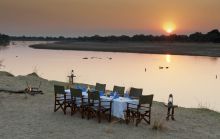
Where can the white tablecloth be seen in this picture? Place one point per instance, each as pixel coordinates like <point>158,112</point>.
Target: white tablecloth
<point>119,105</point>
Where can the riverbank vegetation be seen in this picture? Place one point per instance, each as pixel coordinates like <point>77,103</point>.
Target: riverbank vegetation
<point>212,36</point>
<point>4,39</point>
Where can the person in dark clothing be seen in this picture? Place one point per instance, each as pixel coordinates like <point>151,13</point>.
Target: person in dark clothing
<point>170,108</point>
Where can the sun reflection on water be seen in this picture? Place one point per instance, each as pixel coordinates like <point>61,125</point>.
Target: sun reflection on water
<point>168,58</point>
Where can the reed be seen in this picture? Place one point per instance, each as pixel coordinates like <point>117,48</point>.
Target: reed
<point>158,125</point>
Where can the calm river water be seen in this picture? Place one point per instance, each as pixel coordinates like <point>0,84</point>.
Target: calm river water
<point>193,80</point>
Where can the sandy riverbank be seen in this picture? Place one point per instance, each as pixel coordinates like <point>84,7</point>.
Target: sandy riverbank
<point>195,49</point>
<point>33,117</point>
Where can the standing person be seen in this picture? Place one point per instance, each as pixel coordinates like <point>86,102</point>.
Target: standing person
<point>170,108</point>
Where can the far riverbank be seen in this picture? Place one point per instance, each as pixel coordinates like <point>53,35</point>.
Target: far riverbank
<point>173,48</point>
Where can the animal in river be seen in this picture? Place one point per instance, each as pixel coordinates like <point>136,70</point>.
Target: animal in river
<point>160,67</point>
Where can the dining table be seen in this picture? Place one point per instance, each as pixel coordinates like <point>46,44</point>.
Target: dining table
<point>119,104</point>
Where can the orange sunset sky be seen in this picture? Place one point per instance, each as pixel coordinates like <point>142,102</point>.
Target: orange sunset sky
<point>107,17</point>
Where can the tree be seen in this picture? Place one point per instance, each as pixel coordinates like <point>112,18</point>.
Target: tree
<point>212,36</point>
<point>197,37</point>
<point>4,39</point>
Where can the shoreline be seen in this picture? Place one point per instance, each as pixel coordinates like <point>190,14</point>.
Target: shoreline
<point>172,48</point>
<point>7,80</point>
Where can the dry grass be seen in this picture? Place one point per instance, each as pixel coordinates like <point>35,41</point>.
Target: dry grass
<point>159,124</point>
<point>1,65</point>
<point>35,70</point>
<point>204,106</point>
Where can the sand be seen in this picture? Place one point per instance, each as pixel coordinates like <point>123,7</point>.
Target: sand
<point>173,48</point>
<point>33,117</point>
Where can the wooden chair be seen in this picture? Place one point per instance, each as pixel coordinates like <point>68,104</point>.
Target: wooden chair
<point>60,98</point>
<point>96,108</point>
<point>100,87</point>
<point>141,111</point>
<point>78,102</point>
<point>135,92</point>
<point>120,90</point>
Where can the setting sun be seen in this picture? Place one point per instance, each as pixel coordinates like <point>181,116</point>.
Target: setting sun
<point>169,27</point>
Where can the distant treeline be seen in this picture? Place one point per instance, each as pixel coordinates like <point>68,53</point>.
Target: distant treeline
<point>4,39</point>
<point>212,36</point>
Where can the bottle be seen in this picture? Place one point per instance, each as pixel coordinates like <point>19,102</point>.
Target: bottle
<point>126,94</point>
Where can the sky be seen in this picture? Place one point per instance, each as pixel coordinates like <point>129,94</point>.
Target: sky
<point>107,17</point>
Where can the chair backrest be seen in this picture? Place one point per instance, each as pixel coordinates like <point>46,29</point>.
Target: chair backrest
<point>93,95</point>
<point>135,92</point>
<point>100,87</point>
<point>59,89</point>
<point>76,92</point>
<point>119,89</point>
<point>146,99</point>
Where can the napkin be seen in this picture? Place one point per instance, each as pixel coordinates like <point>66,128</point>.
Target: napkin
<point>101,93</point>
<point>116,95</point>
<point>112,94</point>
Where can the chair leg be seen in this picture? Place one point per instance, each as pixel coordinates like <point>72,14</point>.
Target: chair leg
<point>82,112</point>
<point>127,117</point>
<point>72,111</point>
<point>89,113</point>
<point>55,106</point>
<point>133,116</point>
<point>64,110</point>
<point>138,120</point>
<point>99,116</point>
<point>110,117</point>
<point>110,112</point>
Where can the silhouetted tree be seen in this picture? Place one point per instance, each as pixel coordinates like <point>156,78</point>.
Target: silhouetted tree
<point>212,36</point>
<point>4,39</point>
<point>196,37</point>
